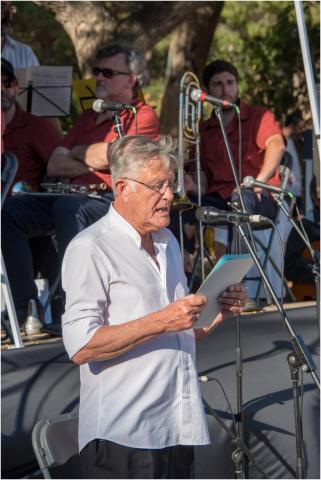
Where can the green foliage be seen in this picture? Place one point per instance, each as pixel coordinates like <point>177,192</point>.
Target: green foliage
<point>39,29</point>
<point>261,39</point>
<point>35,26</point>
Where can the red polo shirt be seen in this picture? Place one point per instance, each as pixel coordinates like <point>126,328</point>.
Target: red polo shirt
<point>32,140</point>
<point>86,132</point>
<point>257,125</point>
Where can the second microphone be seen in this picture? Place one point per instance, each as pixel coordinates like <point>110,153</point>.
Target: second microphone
<point>214,216</point>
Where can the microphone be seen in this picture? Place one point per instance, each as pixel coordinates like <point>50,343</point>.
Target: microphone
<point>214,215</point>
<point>250,182</point>
<point>198,94</point>
<point>100,106</point>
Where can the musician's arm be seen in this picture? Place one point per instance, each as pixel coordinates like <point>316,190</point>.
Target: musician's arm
<point>94,156</point>
<point>63,164</point>
<point>274,152</point>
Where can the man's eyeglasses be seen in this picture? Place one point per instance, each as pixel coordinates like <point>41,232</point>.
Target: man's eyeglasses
<point>158,187</point>
<point>107,72</point>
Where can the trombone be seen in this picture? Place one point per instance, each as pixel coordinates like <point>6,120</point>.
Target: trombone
<point>190,113</point>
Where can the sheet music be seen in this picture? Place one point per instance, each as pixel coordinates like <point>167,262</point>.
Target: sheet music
<point>230,269</point>
<point>51,90</point>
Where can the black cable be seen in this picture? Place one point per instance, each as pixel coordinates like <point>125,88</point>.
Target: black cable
<point>303,231</point>
<point>240,143</point>
<point>234,437</point>
<point>282,258</point>
<point>224,394</point>
<point>301,413</point>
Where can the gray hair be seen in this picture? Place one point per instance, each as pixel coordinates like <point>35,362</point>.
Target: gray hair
<point>134,60</point>
<point>128,155</point>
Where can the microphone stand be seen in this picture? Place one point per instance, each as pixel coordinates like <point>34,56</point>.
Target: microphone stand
<point>237,459</point>
<point>315,254</point>
<point>299,358</point>
<point>241,448</point>
<point>118,127</point>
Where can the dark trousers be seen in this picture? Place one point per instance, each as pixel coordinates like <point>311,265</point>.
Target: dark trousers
<point>105,459</point>
<point>27,217</point>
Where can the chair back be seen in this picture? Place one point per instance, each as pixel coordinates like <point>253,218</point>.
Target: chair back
<point>285,169</point>
<point>9,169</point>
<point>55,441</point>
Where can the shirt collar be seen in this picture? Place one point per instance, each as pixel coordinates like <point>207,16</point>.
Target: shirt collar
<point>135,103</point>
<point>160,236</point>
<point>244,113</point>
<point>10,42</point>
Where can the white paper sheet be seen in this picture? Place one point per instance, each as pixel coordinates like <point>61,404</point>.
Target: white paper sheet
<point>229,270</point>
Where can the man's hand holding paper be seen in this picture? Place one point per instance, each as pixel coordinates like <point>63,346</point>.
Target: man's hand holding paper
<point>232,301</point>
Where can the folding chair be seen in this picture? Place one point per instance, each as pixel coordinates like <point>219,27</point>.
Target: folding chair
<point>285,171</point>
<point>55,441</point>
<point>8,171</point>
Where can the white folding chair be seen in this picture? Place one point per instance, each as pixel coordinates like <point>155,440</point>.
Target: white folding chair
<point>271,255</point>
<point>55,441</point>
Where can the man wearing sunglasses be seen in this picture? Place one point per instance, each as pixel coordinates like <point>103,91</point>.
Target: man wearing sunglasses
<point>81,158</point>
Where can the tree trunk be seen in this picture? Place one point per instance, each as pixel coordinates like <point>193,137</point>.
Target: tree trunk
<point>92,24</point>
<point>188,51</point>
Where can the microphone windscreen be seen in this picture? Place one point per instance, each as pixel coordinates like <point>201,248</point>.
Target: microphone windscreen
<point>199,213</point>
<point>97,105</point>
<point>248,181</point>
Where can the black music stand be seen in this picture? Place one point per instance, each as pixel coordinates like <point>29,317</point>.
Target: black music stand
<point>45,90</point>
<point>51,108</point>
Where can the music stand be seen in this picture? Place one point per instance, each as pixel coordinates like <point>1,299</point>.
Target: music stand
<point>45,91</point>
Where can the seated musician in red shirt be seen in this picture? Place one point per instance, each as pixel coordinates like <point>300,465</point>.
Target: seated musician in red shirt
<point>261,152</point>
<point>81,158</point>
<point>30,138</point>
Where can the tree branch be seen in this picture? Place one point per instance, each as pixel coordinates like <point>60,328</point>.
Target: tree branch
<point>150,24</point>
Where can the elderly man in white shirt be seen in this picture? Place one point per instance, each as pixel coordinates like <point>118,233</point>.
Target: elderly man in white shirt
<point>129,323</point>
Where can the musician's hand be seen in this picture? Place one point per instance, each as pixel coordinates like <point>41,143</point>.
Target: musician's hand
<point>256,190</point>
<point>183,313</point>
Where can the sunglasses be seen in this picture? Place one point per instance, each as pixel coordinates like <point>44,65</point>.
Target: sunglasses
<point>107,72</point>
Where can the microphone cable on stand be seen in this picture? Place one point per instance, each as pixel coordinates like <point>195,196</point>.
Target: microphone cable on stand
<point>241,447</point>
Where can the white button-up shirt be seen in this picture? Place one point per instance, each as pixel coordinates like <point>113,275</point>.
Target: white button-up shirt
<point>148,397</point>
<point>19,54</point>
